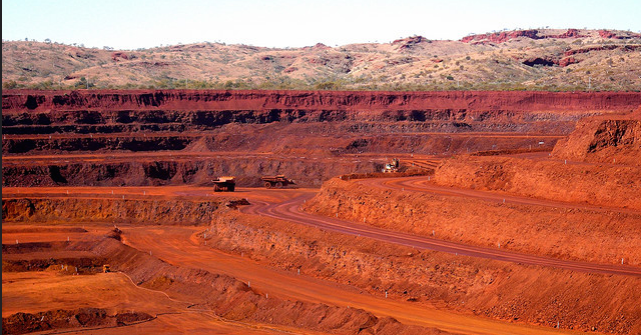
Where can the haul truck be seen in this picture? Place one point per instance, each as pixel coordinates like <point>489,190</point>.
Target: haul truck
<point>276,181</point>
<point>224,184</point>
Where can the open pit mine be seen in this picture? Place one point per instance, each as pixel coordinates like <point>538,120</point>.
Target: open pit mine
<point>321,212</point>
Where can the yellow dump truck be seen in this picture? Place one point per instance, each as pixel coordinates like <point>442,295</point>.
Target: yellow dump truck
<point>278,181</point>
<point>224,184</point>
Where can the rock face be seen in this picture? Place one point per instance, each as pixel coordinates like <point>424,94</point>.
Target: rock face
<point>601,140</point>
<point>213,100</point>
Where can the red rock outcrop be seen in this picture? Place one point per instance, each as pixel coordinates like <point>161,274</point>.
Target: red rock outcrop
<point>406,44</point>
<point>627,48</point>
<point>117,55</point>
<point>571,33</point>
<point>568,61</point>
<point>553,180</point>
<point>609,34</point>
<point>501,36</point>
<point>21,323</point>
<point>464,283</point>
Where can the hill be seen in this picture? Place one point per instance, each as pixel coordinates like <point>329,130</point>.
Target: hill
<point>544,59</point>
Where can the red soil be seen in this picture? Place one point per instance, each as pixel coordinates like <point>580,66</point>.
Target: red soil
<point>580,218</point>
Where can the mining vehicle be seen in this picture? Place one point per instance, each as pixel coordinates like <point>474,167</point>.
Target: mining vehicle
<point>393,166</point>
<point>224,184</point>
<point>276,181</point>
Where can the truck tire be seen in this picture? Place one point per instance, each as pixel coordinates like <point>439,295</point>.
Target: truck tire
<point>279,184</point>
<point>216,188</point>
<point>268,185</point>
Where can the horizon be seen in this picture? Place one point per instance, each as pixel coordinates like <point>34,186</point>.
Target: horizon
<point>82,45</point>
<point>293,24</point>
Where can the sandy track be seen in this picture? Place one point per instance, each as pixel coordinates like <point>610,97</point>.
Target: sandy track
<point>290,211</point>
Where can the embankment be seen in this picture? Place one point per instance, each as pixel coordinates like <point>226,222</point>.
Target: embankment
<point>152,211</point>
<point>566,233</point>
<point>595,184</point>
<point>530,294</point>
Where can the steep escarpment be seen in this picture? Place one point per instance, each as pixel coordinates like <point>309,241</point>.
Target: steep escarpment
<point>18,101</point>
<point>450,120</point>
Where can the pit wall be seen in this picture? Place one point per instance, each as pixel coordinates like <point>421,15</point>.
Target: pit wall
<point>328,145</point>
<point>247,170</point>
<point>24,100</point>
<point>578,234</point>
<point>535,295</point>
<point>138,211</point>
<point>601,184</point>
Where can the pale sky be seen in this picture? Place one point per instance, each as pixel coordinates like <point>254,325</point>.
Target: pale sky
<point>132,24</point>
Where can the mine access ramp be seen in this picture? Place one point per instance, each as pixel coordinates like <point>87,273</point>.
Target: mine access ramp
<point>278,181</point>
<point>224,184</point>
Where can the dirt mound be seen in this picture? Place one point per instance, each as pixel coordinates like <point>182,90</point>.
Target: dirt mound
<point>618,185</point>
<point>21,323</point>
<point>610,140</point>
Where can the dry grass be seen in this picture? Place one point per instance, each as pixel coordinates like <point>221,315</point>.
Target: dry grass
<point>413,63</point>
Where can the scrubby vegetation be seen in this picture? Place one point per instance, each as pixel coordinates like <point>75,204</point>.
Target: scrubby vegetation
<point>549,60</point>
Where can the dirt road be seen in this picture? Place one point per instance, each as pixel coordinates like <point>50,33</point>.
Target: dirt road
<point>290,210</point>
<point>179,246</point>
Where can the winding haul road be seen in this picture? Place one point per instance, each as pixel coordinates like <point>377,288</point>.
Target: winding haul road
<point>290,210</point>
